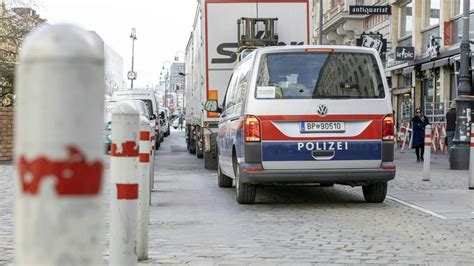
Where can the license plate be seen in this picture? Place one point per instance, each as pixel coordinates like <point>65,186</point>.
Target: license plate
<point>314,127</point>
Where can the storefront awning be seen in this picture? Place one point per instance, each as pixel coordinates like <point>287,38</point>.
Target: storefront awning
<point>441,62</point>
<point>427,66</point>
<point>408,70</point>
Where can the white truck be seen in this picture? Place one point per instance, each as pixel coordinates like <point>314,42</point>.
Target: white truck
<point>211,55</point>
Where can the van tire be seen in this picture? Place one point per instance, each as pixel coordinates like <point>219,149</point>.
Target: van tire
<point>375,193</point>
<point>246,192</point>
<point>223,180</point>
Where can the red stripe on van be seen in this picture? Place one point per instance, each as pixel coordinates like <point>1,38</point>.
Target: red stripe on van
<point>271,132</point>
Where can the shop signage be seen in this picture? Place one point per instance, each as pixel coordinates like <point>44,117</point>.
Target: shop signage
<point>370,10</point>
<point>404,53</point>
<point>373,40</point>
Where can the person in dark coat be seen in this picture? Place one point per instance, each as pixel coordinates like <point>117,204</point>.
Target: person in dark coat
<point>418,124</point>
<point>450,126</point>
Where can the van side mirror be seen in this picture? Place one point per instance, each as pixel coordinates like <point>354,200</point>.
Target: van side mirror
<point>212,106</point>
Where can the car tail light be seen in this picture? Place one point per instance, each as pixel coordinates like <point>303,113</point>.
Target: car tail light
<point>251,128</point>
<point>387,128</point>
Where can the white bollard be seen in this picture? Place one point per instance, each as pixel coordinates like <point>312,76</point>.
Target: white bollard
<point>427,155</point>
<point>144,190</point>
<point>125,187</point>
<point>58,148</point>
<point>471,160</point>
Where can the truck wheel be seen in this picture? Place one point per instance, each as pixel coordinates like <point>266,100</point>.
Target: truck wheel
<point>223,180</point>
<point>375,193</point>
<point>191,150</point>
<point>210,158</point>
<point>199,153</point>
<point>246,192</point>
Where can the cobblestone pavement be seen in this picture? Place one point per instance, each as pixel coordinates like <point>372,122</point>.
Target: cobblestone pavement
<point>194,221</point>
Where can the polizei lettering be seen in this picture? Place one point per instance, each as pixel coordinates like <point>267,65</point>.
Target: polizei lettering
<point>324,146</point>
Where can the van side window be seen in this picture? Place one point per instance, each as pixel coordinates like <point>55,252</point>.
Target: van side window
<point>242,85</point>
<point>229,98</point>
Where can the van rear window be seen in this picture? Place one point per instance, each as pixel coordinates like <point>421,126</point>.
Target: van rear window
<point>332,75</point>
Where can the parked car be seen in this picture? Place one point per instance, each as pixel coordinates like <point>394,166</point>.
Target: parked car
<point>165,122</point>
<point>306,114</point>
<point>109,105</point>
<point>138,104</point>
<point>149,98</point>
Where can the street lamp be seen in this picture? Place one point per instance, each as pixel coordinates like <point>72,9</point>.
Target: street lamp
<point>459,153</point>
<point>132,75</point>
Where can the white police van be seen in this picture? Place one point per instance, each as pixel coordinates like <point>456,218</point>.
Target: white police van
<point>306,114</point>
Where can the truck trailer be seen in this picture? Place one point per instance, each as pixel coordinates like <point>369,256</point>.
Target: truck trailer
<point>211,54</point>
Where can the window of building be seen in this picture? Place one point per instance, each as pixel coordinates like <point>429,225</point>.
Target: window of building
<point>431,12</point>
<point>405,20</point>
<point>457,6</point>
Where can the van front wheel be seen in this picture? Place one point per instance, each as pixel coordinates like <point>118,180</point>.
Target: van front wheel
<point>375,193</point>
<point>246,192</point>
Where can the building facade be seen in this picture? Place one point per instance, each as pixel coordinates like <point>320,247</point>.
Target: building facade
<point>422,48</point>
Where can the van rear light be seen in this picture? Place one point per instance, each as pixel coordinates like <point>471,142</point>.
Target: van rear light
<point>388,131</point>
<point>251,128</point>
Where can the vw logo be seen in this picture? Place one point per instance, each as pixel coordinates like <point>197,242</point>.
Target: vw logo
<point>322,110</point>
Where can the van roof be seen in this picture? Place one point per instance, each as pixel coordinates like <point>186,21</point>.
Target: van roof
<point>335,48</point>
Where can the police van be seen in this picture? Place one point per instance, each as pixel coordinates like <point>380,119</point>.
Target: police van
<point>306,114</point>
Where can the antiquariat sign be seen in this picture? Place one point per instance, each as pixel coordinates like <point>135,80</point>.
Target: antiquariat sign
<point>370,10</point>
<point>373,40</point>
<point>404,53</point>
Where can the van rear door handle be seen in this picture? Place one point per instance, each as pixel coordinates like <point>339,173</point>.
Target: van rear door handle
<point>323,155</point>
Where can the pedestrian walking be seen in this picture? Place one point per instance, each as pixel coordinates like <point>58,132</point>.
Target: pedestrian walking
<point>419,123</point>
<point>450,126</point>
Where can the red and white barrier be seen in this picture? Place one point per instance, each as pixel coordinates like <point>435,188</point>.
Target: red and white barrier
<point>427,155</point>
<point>125,184</point>
<point>471,159</point>
<point>144,190</point>
<point>58,148</point>
<point>405,137</point>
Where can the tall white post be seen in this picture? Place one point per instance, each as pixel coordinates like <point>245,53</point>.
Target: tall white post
<point>427,155</point>
<point>125,187</point>
<point>58,148</point>
<point>144,190</point>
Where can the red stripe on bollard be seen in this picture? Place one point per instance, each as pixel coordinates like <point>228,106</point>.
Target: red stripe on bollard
<point>427,136</point>
<point>144,157</point>
<point>427,143</point>
<point>129,149</point>
<point>472,144</point>
<point>127,191</point>
<point>144,135</point>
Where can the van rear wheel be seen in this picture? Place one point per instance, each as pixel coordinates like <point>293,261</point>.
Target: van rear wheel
<point>246,192</point>
<point>375,193</point>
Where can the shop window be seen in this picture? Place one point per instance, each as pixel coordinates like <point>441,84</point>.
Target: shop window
<point>434,107</point>
<point>406,20</point>
<point>457,6</point>
<point>431,12</point>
